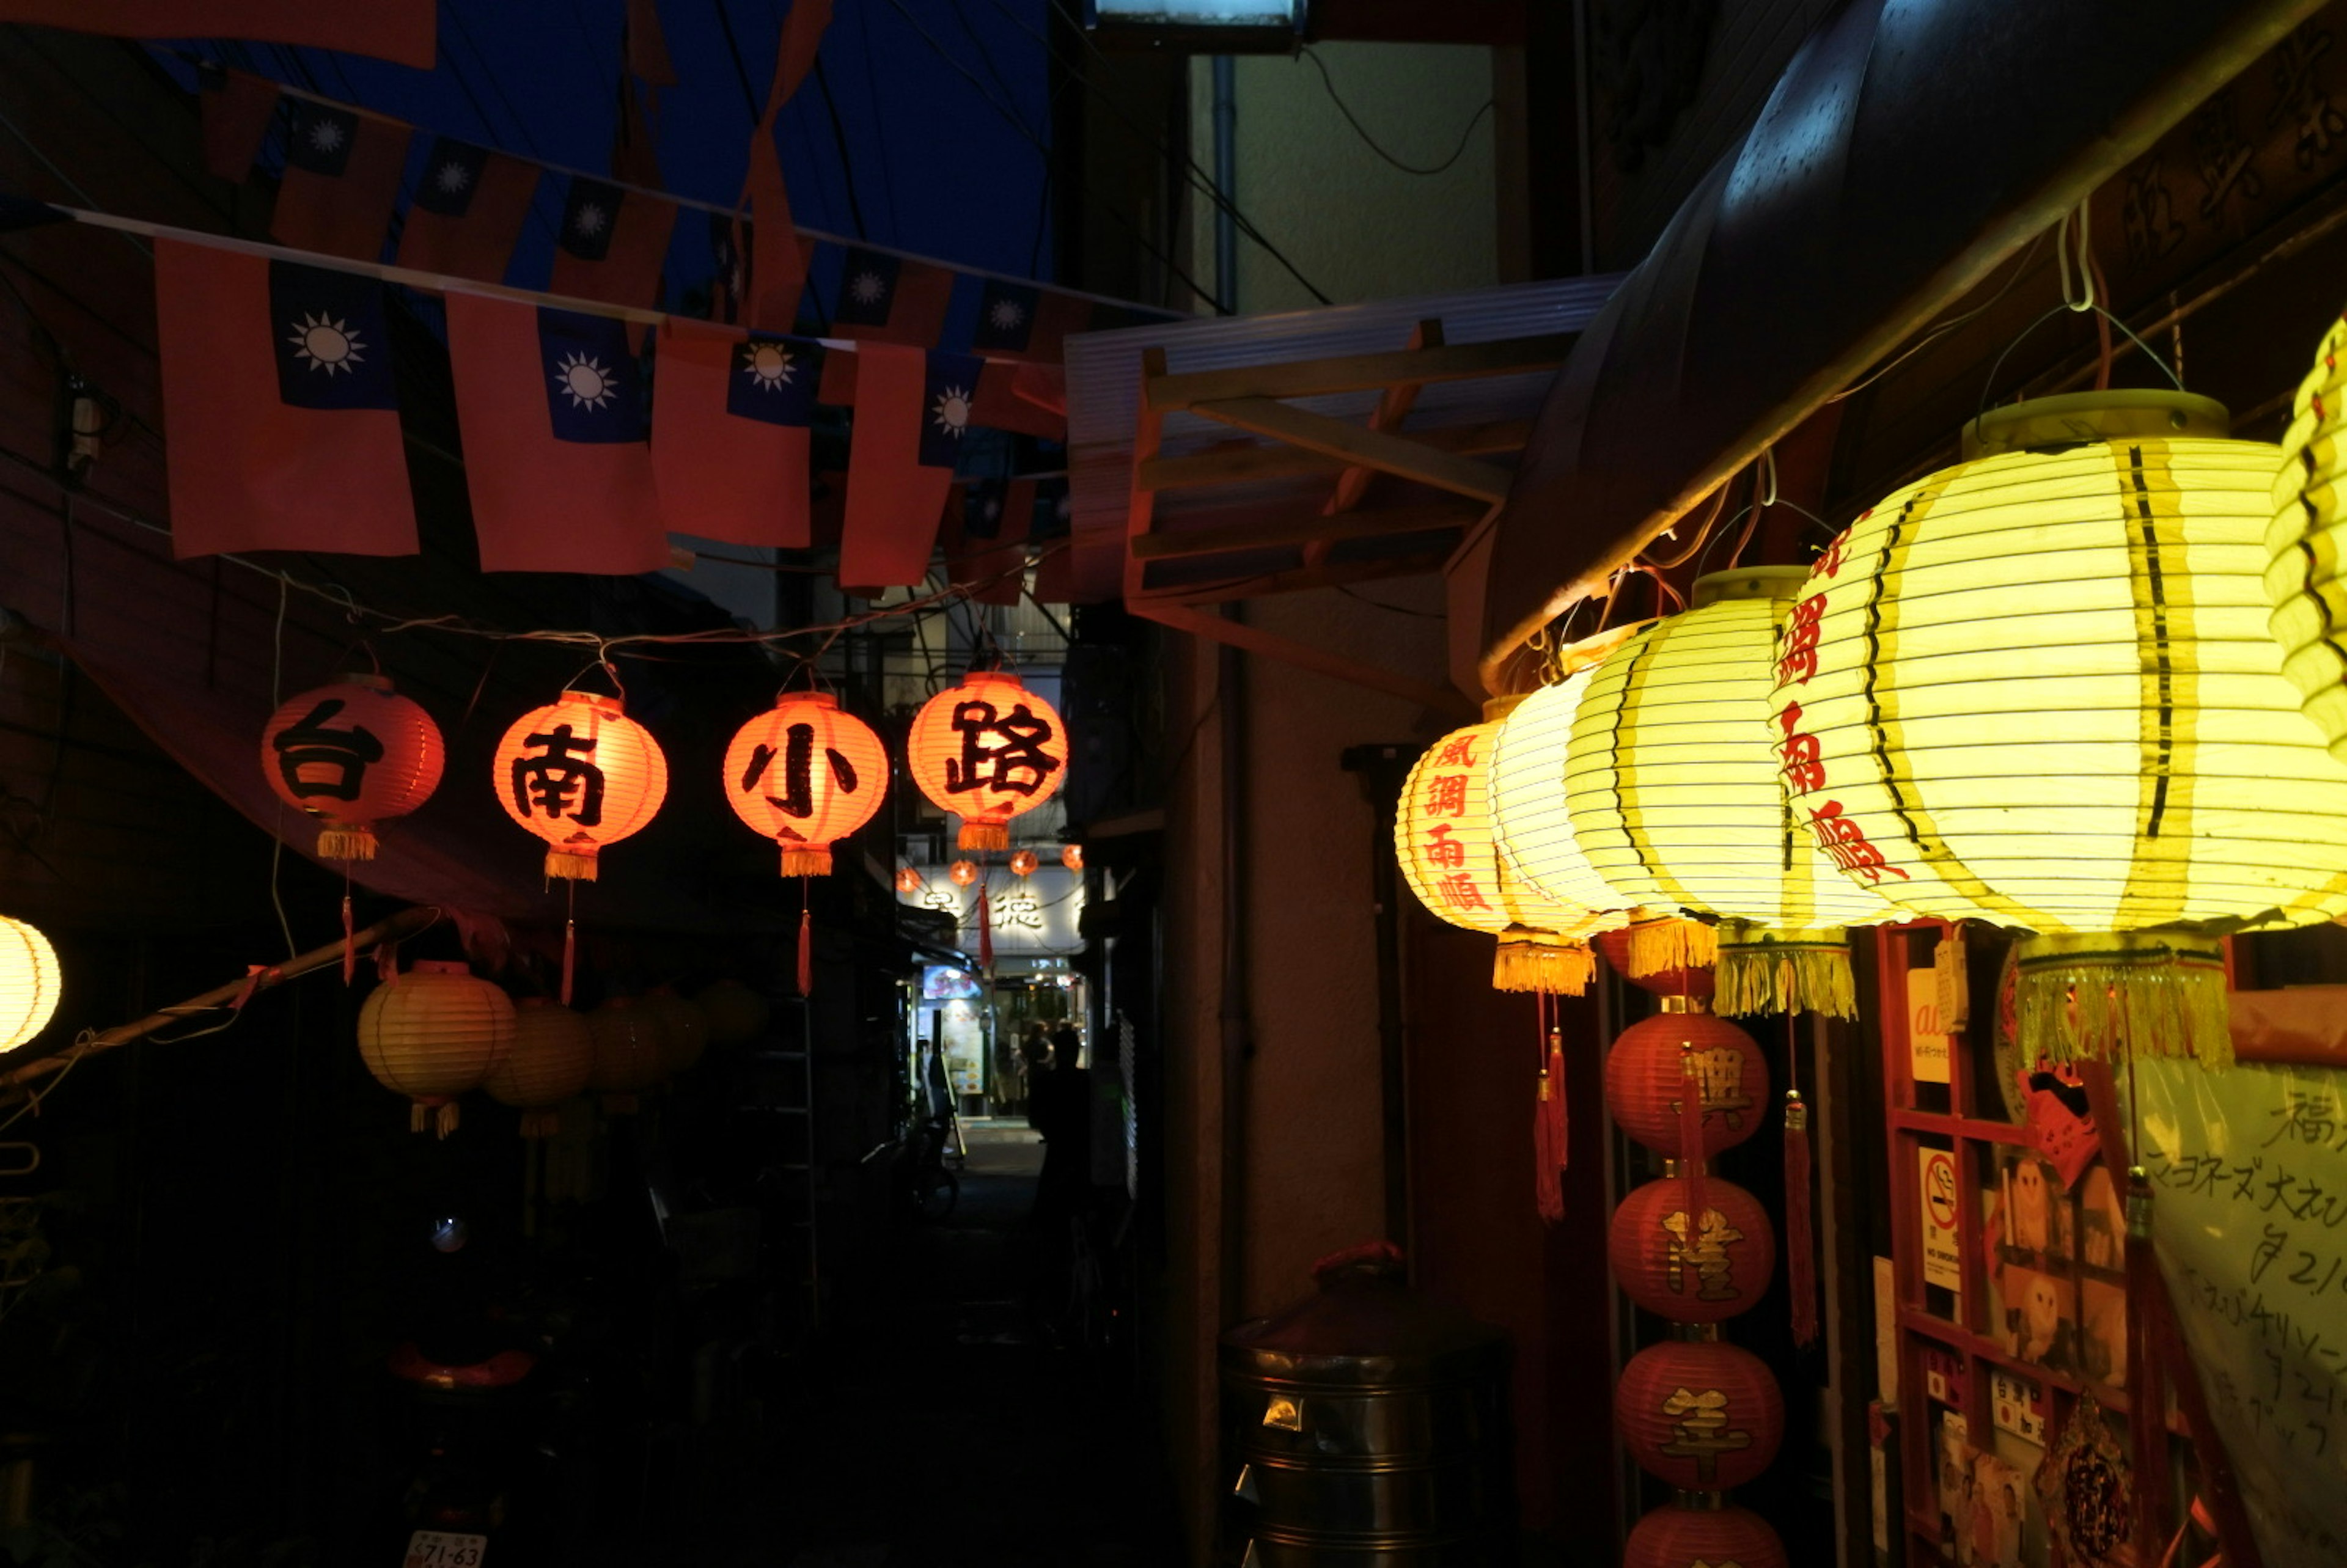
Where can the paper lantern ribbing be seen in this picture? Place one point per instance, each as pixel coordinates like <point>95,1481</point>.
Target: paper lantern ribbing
<point>1679,1537</point>
<point>434,1033</point>
<point>551,1056</point>
<point>29,982</point>
<point>736,1014</point>
<point>1645,1079</point>
<point>2039,689</point>
<point>806,774</point>
<point>1698,1414</point>
<point>580,774</point>
<point>2303,545</point>
<point>351,754</point>
<point>1724,1270</point>
<point>630,1055</point>
<point>987,751</point>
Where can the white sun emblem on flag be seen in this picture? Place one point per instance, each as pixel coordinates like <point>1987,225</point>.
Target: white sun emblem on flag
<point>589,221</point>
<point>868,288</point>
<point>768,366</point>
<point>326,135</point>
<point>584,380</point>
<point>453,177</point>
<point>326,343</point>
<point>952,411</point>
<point>1006,316</point>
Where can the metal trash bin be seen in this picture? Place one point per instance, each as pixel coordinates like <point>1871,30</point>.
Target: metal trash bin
<point>1365,1427</point>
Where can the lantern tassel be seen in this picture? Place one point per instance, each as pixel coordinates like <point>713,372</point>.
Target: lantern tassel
<point>1535,961</point>
<point>2141,1373</point>
<point>806,860</point>
<point>1783,972</point>
<point>984,834</point>
<point>354,842</point>
<point>984,931</point>
<point>445,1118</point>
<point>1691,1164</point>
<point>349,949</point>
<point>418,1114</point>
<point>1800,1253</point>
<point>2081,995</point>
<point>1659,947</point>
<point>806,942</point>
<point>1549,1122</point>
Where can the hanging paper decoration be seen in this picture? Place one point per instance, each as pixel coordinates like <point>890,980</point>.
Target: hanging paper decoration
<point>962,873</point>
<point>2036,689</point>
<point>1691,1274</point>
<point>1073,858</point>
<point>1700,1415</point>
<point>630,1055</point>
<point>551,1056</point>
<point>1643,1079</point>
<point>987,751</point>
<point>683,1029</point>
<point>1678,955</point>
<point>30,983</point>
<point>805,774</point>
<point>580,774</point>
<point>433,1034</point>
<point>2087,1490</point>
<point>2303,542</point>
<point>907,879</point>
<point>1023,863</point>
<point>736,1014</point>
<point>1677,1536</point>
<point>351,754</point>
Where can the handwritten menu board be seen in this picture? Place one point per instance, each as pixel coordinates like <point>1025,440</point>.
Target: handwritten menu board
<point>2249,1173</point>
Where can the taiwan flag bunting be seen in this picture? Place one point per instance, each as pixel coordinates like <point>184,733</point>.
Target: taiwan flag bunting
<point>612,243</point>
<point>912,410</point>
<point>237,107</point>
<point>399,30</point>
<point>1000,406</point>
<point>776,257</point>
<point>470,207</point>
<point>1021,321</point>
<point>1051,534</point>
<point>988,552</point>
<point>279,413</point>
<point>551,408</point>
<point>802,37</point>
<point>343,168</point>
<point>730,432</point>
<point>890,299</point>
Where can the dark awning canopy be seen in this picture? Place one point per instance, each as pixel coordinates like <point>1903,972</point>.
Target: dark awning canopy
<point>1910,146</point>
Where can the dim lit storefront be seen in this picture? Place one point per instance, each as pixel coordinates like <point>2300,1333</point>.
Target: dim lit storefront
<point>992,1022</point>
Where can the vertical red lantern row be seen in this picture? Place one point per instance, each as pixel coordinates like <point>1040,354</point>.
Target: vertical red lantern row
<point>1693,1410</point>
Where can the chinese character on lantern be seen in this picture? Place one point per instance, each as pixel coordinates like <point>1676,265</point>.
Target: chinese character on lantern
<point>987,751</point>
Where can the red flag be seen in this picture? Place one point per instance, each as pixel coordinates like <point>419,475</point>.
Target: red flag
<point>730,432</point>
<point>986,540</point>
<point>237,107</point>
<point>1000,406</point>
<point>648,56</point>
<point>397,30</point>
<point>469,208</point>
<point>778,257</point>
<point>1024,321</point>
<point>612,243</point>
<point>343,168</point>
<point>278,407</point>
<point>551,408</point>
<point>912,408</point>
<point>802,37</point>
<point>885,298</point>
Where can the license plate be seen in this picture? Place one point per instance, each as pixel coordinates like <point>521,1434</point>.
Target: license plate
<point>435,1549</point>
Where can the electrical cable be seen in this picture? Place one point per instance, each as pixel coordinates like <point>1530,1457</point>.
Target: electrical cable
<point>1371,142</point>
<point>1945,327</point>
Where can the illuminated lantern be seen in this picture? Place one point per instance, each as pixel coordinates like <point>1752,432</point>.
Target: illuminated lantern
<point>736,1014</point>
<point>29,982</point>
<point>683,1030</point>
<point>2303,542</point>
<point>1724,1272</point>
<point>1677,1536</point>
<point>987,751</point>
<point>962,873</point>
<point>1023,863</point>
<point>580,774</point>
<point>1645,1080</point>
<point>1699,1415</point>
<point>907,879</point>
<point>434,1033</point>
<point>806,775</point>
<point>551,1056</point>
<point>1073,858</point>
<point>630,1055</point>
<point>1677,958</point>
<point>351,754</point>
<point>2037,689</point>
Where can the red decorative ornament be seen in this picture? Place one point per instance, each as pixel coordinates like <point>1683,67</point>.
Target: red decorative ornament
<point>1687,979</point>
<point>580,774</point>
<point>1023,863</point>
<point>805,774</point>
<point>987,751</point>
<point>962,873</point>
<point>1698,1414</point>
<point>1643,1081</point>
<point>907,879</point>
<point>1675,1537</point>
<point>351,754</point>
<point>1723,1270</point>
<point>1073,858</point>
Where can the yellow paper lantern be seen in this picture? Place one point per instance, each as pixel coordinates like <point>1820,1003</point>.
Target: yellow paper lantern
<point>2037,689</point>
<point>736,1014</point>
<point>630,1054</point>
<point>2303,541</point>
<point>551,1056</point>
<point>433,1034</point>
<point>29,983</point>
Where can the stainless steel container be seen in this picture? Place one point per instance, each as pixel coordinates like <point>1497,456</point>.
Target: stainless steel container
<point>1366,1426</point>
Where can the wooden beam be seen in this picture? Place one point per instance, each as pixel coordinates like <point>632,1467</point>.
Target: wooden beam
<point>1418,564</point>
<point>1443,700</point>
<point>1246,462</point>
<point>1305,528</point>
<point>1388,453</point>
<point>1393,407</point>
<point>1358,372</point>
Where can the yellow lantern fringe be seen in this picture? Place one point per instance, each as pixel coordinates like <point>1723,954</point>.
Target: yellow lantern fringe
<point>347,843</point>
<point>541,1121</point>
<point>439,1117</point>
<point>806,860</point>
<point>1534,962</point>
<point>570,867</point>
<point>985,835</point>
<point>1658,947</point>
<point>1783,972</point>
<point>2102,995</point>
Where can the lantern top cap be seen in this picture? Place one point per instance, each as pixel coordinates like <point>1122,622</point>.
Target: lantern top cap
<point>599,701</point>
<point>1749,582</point>
<point>816,698</point>
<point>438,967</point>
<point>992,678</point>
<point>366,678</point>
<point>2123,415</point>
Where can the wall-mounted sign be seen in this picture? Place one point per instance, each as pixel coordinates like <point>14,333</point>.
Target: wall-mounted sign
<point>1035,914</point>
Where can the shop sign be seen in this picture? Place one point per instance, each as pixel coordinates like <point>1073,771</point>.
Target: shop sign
<point>1935,1196</point>
<point>1927,1044</point>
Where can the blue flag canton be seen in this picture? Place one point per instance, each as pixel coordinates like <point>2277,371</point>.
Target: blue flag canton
<point>868,288</point>
<point>1006,317</point>
<point>773,379</point>
<point>594,380</point>
<point>452,173</point>
<point>321,137</point>
<point>328,332</point>
<point>982,506</point>
<point>949,395</point>
<point>590,214</point>
<point>1053,511</point>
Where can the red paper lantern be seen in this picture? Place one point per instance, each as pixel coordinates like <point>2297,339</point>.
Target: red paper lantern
<point>630,1053</point>
<point>551,1056</point>
<point>1023,863</point>
<point>805,774</point>
<point>1073,858</point>
<point>434,1033</point>
<point>1675,1537</point>
<point>580,774</point>
<point>987,751</point>
<point>1644,1080</point>
<point>1698,1414</point>
<point>1722,1271</point>
<point>907,879</point>
<point>962,873</point>
<point>351,754</point>
<point>1678,981</point>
